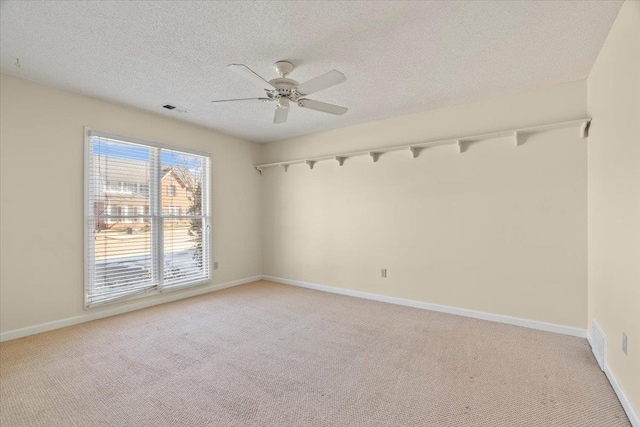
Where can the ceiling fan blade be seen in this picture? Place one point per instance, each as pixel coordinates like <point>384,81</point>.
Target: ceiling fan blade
<point>243,99</point>
<point>322,106</point>
<point>251,76</point>
<point>324,81</point>
<point>281,115</point>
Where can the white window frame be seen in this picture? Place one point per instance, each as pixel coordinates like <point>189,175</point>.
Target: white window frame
<point>158,254</point>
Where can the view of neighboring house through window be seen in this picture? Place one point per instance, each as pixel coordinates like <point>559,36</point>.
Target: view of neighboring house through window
<point>147,214</point>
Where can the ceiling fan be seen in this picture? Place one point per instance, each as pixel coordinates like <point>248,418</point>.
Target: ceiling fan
<point>284,90</point>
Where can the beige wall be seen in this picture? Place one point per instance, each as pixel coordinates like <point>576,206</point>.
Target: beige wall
<point>41,150</point>
<point>497,229</point>
<point>614,196</point>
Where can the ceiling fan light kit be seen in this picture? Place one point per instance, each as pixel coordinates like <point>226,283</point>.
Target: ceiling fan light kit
<point>284,90</point>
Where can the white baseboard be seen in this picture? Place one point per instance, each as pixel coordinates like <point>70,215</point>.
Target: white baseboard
<point>626,405</point>
<point>532,324</point>
<point>141,303</point>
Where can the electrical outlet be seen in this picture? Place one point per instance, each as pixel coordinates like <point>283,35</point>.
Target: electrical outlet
<point>215,265</point>
<point>624,343</point>
<point>383,273</point>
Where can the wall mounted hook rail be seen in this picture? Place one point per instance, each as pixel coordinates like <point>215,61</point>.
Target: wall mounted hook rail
<point>460,142</point>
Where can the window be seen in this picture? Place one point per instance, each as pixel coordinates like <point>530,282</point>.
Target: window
<point>114,187</point>
<point>129,187</point>
<point>171,191</point>
<point>142,211</point>
<point>113,214</point>
<point>172,211</point>
<point>126,213</point>
<point>135,242</point>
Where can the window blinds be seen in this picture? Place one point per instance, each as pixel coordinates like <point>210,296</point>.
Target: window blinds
<point>147,218</point>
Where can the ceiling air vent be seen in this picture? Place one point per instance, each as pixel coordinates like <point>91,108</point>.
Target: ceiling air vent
<point>174,108</point>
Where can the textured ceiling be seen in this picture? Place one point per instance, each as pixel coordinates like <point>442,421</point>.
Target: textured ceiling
<point>399,57</point>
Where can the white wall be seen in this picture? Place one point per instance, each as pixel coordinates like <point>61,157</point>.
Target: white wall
<point>41,150</point>
<point>498,229</point>
<point>614,196</point>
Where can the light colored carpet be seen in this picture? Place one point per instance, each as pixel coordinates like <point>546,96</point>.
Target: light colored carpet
<point>266,354</point>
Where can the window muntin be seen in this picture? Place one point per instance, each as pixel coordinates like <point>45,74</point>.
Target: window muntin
<point>137,240</point>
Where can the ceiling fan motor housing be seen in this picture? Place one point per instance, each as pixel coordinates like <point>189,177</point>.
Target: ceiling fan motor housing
<point>284,87</point>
